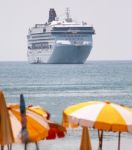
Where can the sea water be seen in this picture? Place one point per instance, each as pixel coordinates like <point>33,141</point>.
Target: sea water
<point>56,86</point>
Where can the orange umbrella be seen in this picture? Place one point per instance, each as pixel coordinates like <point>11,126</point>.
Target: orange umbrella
<point>6,135</point>
<point>56,130</point>
<point>100,115</point>
<point>36,127</point>
<point>25,125</point>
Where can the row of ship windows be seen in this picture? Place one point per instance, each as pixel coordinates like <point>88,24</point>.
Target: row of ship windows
<point>79,39</point>
<point>37,40</point>
<point>40,36</point>
<point>74,35</point>
<point>40,46</point>
<point>68,39</point>
<point>64,35</point>
<point>72,28</point>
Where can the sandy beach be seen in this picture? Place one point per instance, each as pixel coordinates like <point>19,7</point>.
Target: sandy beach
<point>72,142</point>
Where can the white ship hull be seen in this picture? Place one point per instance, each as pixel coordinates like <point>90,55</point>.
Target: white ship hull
<point>61,54</point>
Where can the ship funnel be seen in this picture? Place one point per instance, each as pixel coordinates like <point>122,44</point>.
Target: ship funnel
<point>52,15</point>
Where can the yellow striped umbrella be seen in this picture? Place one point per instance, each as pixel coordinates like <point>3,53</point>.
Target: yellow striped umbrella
<point>37,126</point>
<point>100,115</point>
<point>11,130</point>
<point>39,110</point>
<point>56,130</point>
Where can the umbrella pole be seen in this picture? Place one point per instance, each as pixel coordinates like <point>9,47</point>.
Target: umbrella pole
<point>100,136</point>
<point>25,146</point>
<point>119,140</point>
<point>2,147</point>
<point>37,147</point>
<point>99,139</point>
<point>9,146</point>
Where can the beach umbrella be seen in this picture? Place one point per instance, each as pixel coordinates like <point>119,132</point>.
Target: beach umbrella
<point>6,135</point>
<point>27,126</point>
<point>55,130</point>
<point>100,115</point>
<point>39,110</point>
<point>37,127</point>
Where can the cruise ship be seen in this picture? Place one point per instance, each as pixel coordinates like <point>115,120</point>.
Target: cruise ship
<point>59,41</point>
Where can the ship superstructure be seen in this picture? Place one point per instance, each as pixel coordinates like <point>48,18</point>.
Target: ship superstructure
<point>59,41</point>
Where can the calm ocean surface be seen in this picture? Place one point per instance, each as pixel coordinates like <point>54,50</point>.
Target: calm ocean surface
<point>57,86</point>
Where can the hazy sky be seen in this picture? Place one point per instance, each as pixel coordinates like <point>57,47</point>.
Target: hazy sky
<point>112,20</point>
